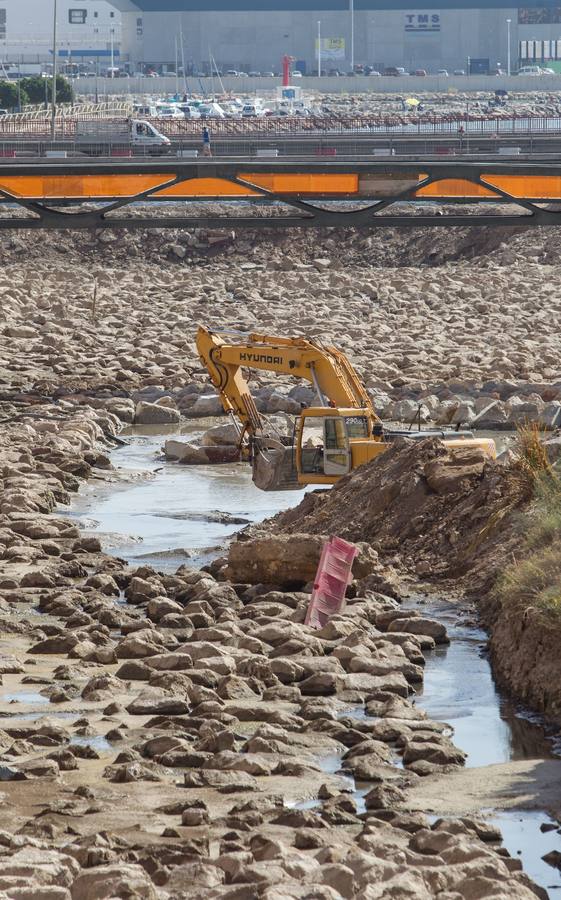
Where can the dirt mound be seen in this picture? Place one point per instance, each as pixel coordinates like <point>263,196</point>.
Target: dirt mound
<point>437,513</point>
<point>348,248</point>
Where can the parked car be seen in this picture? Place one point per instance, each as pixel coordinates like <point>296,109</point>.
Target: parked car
<point>296,73</point>
<point>530,70</point>
<point>232,72</point>
<point>375,73</point>
<point>394,71</point>
<point>169,112</point>
<point>255,74</point>
<point>268,74</point>
<point>333,73</point>
<point>190,112</point>
<point>459,72</point>
<point>211,111</point>
<point>443,73</point>
<point>421,73</point>
<point>547,71</point>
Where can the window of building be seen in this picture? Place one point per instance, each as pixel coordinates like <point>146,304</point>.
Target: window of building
<point>95,14</point>
<point>539,51</point>
<point>539,15</point>
<point>111,15</point>
<point>77,16</point>
<point>3,23</point>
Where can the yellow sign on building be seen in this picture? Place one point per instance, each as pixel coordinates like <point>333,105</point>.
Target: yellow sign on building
<point>332,48</point>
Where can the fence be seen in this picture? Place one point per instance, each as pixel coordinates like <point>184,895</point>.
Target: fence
<point>38,123</point>
<point>39,117</point>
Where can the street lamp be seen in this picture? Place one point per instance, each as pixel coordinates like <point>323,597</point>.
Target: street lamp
<point>53,111</point>
<point>508,21</point>
<point>352,11</point>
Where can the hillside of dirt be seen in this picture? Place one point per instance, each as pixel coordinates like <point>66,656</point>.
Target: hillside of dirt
<point>430,512</point>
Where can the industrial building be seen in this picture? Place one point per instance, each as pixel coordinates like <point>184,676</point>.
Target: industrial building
<point>88,32</point>
<point>253,35</point>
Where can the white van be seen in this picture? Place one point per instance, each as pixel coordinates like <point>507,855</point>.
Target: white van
<point>144,112</point>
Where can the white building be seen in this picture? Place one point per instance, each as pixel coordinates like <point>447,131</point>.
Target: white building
<point>88,32</point>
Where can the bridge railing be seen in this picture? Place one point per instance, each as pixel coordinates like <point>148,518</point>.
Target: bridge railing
<point>38,122</point>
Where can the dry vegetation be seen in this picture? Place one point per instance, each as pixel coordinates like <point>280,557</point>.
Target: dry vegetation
<point>534,579</point>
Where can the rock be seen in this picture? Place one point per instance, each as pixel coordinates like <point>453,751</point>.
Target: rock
<point>155,702</point>
<point>185,452</point>
<point>205,405</point>
<point>420,625</point>
<point>221,435</point>
<point>42,866</point>
<point>121,880</point>
<point>154,414</point>
<point>286,560</point>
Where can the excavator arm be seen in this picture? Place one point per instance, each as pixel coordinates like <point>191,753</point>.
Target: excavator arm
<point>328,370</point>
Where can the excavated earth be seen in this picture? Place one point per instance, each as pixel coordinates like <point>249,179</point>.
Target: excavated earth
<point>173,735</point>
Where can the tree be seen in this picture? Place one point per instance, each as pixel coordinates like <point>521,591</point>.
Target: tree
<point>38,89</point>
<point>10,95</point>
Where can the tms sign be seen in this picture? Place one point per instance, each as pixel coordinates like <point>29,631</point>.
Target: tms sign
<point>419,23</point>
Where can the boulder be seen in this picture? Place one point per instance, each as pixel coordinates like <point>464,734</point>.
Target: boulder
<point>155,414</point>
<point>286,560</point>
<point>221,435</point>
<point>158,702</point>
<point>205,405</point>
<point>421,625</point>
<point>120,880</point>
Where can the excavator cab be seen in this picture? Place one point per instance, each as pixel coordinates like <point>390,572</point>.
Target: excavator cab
<point>330,441</point>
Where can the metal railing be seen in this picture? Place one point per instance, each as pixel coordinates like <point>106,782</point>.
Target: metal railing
<point>37,122</point>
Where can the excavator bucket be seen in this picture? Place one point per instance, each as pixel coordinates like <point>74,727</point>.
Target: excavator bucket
<point>274,469</point>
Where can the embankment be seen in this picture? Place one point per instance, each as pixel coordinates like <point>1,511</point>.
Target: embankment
<point>457,521</point>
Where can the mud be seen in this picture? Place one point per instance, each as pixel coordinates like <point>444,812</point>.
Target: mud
<point>160,725</point>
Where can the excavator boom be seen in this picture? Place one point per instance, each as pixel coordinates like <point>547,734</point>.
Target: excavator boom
<point>328,370</point>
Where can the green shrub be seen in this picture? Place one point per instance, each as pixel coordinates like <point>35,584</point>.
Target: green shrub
<point>10,95</point>
<point>39,89</point>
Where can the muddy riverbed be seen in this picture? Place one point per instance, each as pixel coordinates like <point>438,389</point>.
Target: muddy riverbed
<point>158,513</point>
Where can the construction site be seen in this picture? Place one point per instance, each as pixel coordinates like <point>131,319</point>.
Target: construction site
<point>280,500</point>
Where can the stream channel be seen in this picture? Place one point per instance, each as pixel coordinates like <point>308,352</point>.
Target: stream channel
<point>165,515</point>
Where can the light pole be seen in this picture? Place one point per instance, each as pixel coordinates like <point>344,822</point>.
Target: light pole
<point>53,111</point>
<point>319,49</point>
<point>352,11</point>
<point>508,21</point>
<point>112,31</point>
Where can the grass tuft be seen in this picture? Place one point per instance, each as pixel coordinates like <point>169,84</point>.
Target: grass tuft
<point>535,579</point>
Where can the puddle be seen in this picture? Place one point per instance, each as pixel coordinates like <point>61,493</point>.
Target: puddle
<point>31,716</point>
<point>183,514</point>
<point>524,840</point>
<point>97,742</point>
<point>23,697</point>
<point>459,689</point>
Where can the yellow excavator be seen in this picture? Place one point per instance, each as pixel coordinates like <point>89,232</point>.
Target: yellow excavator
<point>330,439</point>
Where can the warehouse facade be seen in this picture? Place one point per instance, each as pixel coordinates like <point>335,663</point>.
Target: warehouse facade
<point>254,34</point>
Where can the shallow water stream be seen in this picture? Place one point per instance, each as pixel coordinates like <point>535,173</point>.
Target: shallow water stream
<point>166,515</point>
